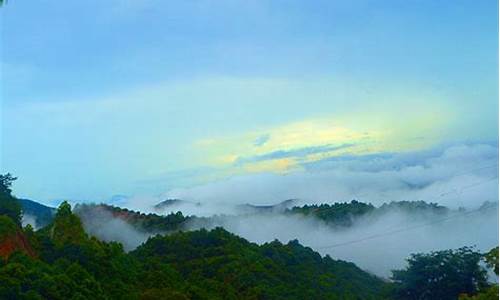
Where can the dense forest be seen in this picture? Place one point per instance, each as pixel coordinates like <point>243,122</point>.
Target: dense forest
<point>62,261</point>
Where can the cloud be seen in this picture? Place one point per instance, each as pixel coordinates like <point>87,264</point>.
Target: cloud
<point>288,146</point>
<point>29,220</point>
<point>418,233</point>
<point>455,175</point>
<point>101,224</point>
<point>458,175</point>
<point>296,153</point>
<point>261,140</point>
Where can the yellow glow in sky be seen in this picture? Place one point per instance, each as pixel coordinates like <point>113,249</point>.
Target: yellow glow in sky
<point>285,147</point>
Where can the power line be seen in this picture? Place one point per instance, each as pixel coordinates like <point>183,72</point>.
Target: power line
<point>456,175</point>
<point>379,235</point>
<point>451,191</point>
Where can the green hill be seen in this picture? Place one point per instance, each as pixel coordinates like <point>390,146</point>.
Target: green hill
<point>219,265</point>
<point>185,265</point>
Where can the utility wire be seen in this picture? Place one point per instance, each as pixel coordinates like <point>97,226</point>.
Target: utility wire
<point>375,236</point>
<point>452,191</point>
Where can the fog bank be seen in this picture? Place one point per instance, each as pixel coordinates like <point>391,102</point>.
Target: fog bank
<point>380,254</point>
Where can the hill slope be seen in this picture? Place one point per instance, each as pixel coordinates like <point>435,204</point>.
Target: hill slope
<point>221,265</point>
<point>42,214</point>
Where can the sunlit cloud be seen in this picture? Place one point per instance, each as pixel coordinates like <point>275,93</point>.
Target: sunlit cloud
<point>287,147</point>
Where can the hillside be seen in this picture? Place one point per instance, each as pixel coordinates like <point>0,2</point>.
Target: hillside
<point>42,214</point>
<point>64,261</point>
<point>13,239</point>
<point>184,265</point>
<point>223,265</point>
<point>347,213</point>
<point>150,222</point>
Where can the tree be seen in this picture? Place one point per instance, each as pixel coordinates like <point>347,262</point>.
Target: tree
<point>67,227</point>
<point>9,205</point>
<point>491,259</point>
<point>441,275</point>
<point>491,293</point>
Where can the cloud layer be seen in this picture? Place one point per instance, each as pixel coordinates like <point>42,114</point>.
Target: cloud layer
<point>395,235</point>
<point>455,175</point>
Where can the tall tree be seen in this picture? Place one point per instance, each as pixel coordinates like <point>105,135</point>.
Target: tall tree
<point>441,275</point>
<point>9,205</point>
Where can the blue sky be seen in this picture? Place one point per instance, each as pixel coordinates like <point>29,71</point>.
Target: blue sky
<point>139,97</point>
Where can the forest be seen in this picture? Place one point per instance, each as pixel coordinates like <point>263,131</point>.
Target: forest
<point>62,261</point>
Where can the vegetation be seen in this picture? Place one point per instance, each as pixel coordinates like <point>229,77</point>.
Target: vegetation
<point>345,214</point>
<point>490,293</point>
<point>43,214</point>
<point>441,275</point>
<point>185,265</point>
<point>144,222</point>
<point>61,261</point>
<point>339,214</point>
<point>217,264</point>
<point>9,205</point>
<point>411,207</point>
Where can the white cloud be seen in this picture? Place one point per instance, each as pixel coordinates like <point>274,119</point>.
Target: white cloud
<point>458,175</point>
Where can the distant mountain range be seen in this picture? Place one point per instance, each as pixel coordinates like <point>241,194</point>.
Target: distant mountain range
<point>280,207</point>
<point>174,204</point>
<point>169,203</point>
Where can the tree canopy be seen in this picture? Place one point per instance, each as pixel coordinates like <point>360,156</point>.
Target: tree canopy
<point>441,275</point>
<point>9,205</point>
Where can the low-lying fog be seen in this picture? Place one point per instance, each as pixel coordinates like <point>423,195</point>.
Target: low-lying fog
<point>377,246</point>
<point>455,176</point>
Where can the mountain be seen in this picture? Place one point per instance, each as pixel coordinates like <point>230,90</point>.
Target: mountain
<point>64,261</point>
<point>41,213</point>
<point>276,208</point>
<point>219,265</point>
<point>148,223</point>
<point>200,264</point>
<point>12,239</point>
<point>179,204</point>
<point>170,203</point>
<point>347,213</point>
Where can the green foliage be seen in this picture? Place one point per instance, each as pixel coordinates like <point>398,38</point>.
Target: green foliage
<point>219,265</point>
<point>490,293</point>
<point>9,205</point>
<point>28,278</point>
<point>163,294</point>
<point>6,183</point>
<point>412,207</point>
<point>338,214</point>
<point>441,275</point>
<point>491,259</point>
<point>345,214</point>
<point>67,227</point>
<point>143,222</point>
<point>7,227</point>
<point>184,265</point>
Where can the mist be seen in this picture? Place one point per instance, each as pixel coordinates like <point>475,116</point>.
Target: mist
<point>460,175</point>
<point>29,220</point>
<point>456,176</point>
<point>104,226</point>
<point>376,244</point>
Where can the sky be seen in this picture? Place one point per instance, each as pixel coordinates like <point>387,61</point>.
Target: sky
<point>147,98</point>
